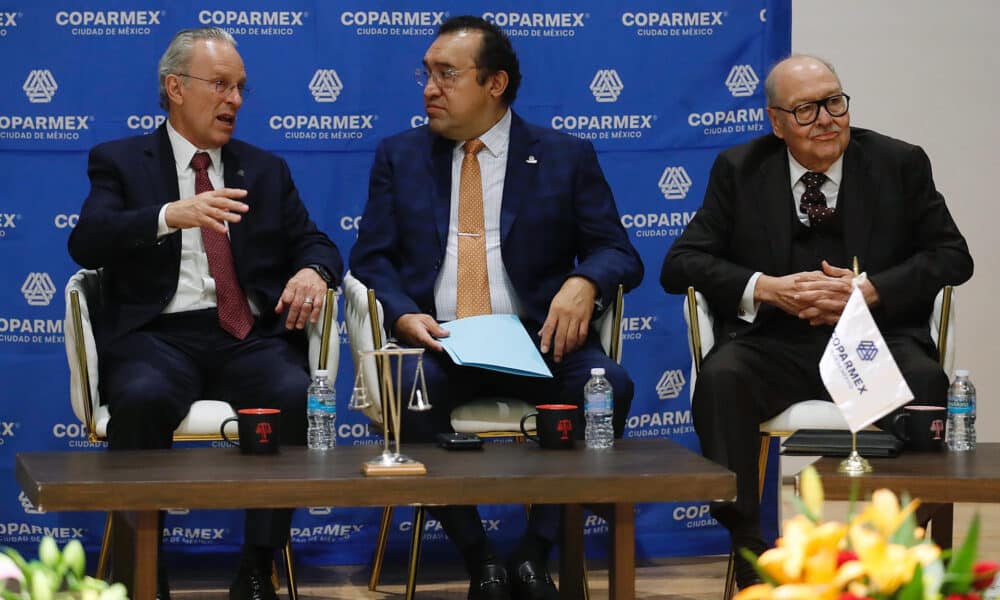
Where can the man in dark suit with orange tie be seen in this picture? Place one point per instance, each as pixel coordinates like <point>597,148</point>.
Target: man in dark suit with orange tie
<point>211,267</point>
<point>480,212</point>
<point>771,250</point>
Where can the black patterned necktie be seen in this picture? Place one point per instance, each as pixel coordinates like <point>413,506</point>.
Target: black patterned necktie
<point>234,311</point>
<point>813,201</point>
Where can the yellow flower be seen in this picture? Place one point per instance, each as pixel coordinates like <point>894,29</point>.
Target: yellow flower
<point>884,513</point>
<point>761,591</point>
<point>811,490</point>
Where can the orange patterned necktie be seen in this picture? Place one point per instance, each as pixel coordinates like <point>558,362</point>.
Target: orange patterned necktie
<point>473,281</point>
<point>234,311</point>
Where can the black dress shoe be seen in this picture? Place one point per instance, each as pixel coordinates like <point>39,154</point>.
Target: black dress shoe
<point>531,581</point>
<point>746,575</point>
<point>490,583</point>
<point>252,584</point>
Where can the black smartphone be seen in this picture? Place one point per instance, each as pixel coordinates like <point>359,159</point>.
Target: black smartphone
<point>459,441</point>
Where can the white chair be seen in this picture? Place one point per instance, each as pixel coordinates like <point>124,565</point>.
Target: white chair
<point>811,414</point>
<point>487,417</point>
<point>202,423</point>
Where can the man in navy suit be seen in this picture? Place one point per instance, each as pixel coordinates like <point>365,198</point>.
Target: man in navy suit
<point>554,249</point>
<point>771,249</point>
<point>179,319</point>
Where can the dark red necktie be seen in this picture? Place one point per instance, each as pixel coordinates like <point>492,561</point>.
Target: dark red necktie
<point>813,201</point>
<point>234,311</point>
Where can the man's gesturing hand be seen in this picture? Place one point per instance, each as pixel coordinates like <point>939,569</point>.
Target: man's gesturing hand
<point>210,209</point>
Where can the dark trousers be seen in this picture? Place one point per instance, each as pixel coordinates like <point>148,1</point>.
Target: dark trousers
<point>449,386</point>
<point>150,377</point>
<point>751,379</point>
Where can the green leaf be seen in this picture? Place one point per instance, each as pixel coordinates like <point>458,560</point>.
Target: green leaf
<point>914,588</point>
<point>958,577</point>
<point>802,509</point>
<point>905,534</point>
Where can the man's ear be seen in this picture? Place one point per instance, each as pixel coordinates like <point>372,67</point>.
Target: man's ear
<point>498,83</point>
<point>173,85</point>
<point>776,124</point>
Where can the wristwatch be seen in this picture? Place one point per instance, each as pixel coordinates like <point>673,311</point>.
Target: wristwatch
<point>323,272</point>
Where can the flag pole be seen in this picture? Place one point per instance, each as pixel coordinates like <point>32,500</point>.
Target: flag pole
<point>855,464</point>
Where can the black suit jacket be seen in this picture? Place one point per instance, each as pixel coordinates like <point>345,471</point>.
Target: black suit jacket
<point>132,178</point>
<point>894,219</point>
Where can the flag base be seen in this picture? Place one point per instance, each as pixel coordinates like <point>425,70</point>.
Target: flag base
<point>854,465</point>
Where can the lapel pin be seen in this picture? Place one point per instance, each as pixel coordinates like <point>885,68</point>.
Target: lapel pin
<point>531,160</point>
<point>240,173</point>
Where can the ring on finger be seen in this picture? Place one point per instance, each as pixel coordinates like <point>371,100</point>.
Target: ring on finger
<point>307,301</point>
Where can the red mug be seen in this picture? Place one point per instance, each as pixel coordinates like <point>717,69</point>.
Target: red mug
<point>555,425</point>
<point>258,430</point>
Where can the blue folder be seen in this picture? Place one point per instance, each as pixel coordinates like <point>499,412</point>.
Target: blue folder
<point>495,342</point>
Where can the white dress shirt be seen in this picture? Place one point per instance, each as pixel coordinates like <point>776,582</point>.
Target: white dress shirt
<point>830,188</point>
<point>195,284</point>
<point>493,167</point>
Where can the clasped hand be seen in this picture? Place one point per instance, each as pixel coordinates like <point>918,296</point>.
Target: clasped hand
<point>815,296</point>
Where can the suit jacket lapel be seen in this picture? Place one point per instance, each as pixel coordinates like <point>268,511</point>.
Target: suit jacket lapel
<point>520,176</point>
<point>162,167</point>
<point>440,167</point>
<point>234,176</point>
<point>775,196</point>
<point>858,188</point>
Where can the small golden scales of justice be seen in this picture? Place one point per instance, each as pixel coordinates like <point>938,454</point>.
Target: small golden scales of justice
<point>389,364</point>
<point>855,464</point>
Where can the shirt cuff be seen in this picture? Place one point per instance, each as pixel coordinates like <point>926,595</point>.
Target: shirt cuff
<point>748,308</point>
<point>162,228</point>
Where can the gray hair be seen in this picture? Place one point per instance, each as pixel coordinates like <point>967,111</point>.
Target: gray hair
<point>770,84</point>
<point>178,54</point>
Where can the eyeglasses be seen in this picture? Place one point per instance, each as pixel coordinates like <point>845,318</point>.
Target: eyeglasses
<point>807,112</point>
<point>443,78</point>
<point>222,88</point>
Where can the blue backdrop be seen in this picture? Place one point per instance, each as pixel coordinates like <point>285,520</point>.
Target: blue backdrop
<point>659,87</point>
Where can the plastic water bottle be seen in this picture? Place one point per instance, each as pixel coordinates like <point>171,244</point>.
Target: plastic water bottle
<point>961,431</point>
<point>598,408</point>
<point>321,411</point>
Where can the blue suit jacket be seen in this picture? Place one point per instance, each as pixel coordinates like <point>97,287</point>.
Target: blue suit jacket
<point>558,219</point>
<point>132,178</point>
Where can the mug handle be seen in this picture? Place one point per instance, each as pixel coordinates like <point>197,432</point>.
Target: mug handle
<point>899,426</point>
<point>533,438</point>
<point>222,431</point>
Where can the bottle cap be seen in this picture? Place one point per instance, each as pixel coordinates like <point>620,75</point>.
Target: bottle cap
<point>961,372</point>
<point>321,373</point>
<point>597,371</point>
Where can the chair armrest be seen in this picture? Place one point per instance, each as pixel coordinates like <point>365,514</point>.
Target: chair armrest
<point>82,293</point>
<point>361,334</point>
<point>943,316</point>
<point>325,329</point>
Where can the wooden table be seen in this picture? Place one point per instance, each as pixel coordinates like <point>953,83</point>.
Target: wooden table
<point>137,484</point>
<point>938,479</point>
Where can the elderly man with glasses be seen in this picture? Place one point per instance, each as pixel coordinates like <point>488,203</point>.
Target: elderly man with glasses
<point>480,212</point>
<point>211,268</point>
<point>771,248</point>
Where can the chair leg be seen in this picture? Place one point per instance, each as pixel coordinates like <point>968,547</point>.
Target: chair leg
<point>293,586</point>
<point>765,447</point>
<point>418,528</point>
<point>730,589</point>
<point>380,544</point>
<point>102,558</point>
